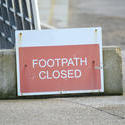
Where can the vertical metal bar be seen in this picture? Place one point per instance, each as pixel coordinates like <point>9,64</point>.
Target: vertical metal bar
<point>18,15</point>
<point>36,14</point>
<point>11,12</point>
<point>26,19</point>
<point>5,17</point>
<point>32,17</point>
<point>11,20</point>
<point>1,28</point>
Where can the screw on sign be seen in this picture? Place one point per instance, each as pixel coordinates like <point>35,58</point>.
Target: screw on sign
<point>54,66</point>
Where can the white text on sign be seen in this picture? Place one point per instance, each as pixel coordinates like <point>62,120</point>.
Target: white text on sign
<point>60,62</point>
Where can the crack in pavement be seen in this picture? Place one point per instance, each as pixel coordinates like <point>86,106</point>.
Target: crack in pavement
<point>115,115</point>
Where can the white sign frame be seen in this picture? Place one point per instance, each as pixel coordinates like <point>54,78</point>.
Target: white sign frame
<point>59,37</point>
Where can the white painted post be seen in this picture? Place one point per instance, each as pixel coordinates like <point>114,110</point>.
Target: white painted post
<point>36,14</point>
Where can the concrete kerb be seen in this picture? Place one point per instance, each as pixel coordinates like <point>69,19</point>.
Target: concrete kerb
<point>112,70</point>
<point>7,74</point>
<point>112,73</point>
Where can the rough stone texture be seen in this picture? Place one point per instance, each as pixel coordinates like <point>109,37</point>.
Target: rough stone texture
<point>7,74</point>
<point>112,72</point>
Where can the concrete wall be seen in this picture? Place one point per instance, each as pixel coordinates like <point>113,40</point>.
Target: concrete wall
<point>112,72</point>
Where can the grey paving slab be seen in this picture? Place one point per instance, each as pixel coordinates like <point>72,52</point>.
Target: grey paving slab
<point>98,101</point>
<point>53,112</point>
<point>117,110</point>
<point>113,105</point>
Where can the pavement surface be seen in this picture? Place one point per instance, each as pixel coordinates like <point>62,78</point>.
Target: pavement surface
<point>94,110</point>
<point>108,14</point>
<point>106,110</point>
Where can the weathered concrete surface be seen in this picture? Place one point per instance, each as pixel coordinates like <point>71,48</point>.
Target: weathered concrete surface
<point>7,74</point>
<point>112,72</point>
<point>99,110</point>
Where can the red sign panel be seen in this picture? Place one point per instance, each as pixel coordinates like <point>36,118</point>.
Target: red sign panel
<point>59,68</point>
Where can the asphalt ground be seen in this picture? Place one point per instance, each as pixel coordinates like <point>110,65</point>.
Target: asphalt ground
<point>108,14</point>
<point>88,110</point>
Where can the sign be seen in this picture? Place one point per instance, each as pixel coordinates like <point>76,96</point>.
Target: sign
<point>59,61</point>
